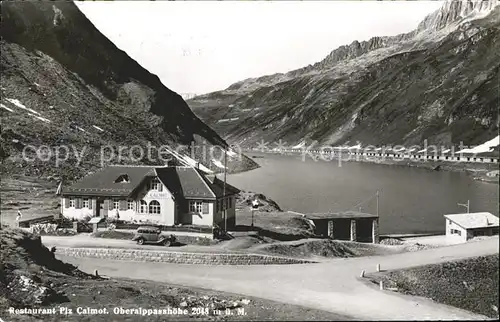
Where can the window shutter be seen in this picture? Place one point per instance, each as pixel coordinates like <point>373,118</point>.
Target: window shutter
<point>90,203</point>
<point>205,208</point>
<point>123,204</point>
<point>78,203</point>
<point>66,202</point>
<point>107,204</point>
<point>160,186</point>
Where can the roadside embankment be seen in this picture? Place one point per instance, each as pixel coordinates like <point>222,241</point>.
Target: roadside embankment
<point>178,257</point>
<point>470,284</point>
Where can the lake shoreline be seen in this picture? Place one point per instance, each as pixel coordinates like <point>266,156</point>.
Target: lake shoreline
<point>478,171</point>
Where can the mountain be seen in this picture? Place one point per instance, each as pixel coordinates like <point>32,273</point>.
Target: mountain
<point>66,87</point>
<point>439,82</point>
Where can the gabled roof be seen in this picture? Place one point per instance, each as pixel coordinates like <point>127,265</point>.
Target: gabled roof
<point>192,183</point>
<point>102,182</point>
<point>182,182</point>
<point>217,186</point>
<point>474,220</point>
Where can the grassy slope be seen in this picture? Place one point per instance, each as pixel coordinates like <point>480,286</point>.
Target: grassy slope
<point>470,284</point>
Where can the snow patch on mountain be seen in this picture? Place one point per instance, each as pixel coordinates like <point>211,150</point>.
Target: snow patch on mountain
<point>20,105</point>
<point>5,107</point>
<point>485,147</point>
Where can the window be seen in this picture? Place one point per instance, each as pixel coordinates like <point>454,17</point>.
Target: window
<point>196,206</point>
<point>123,178</point>
<point>154,207</point>
<point>155,184</point>
<point>86,203</point>
<point>130,205</point>
<point>72,202</point>
<point>456,231</point>
<point>116,204</point>
<point>144,207</point>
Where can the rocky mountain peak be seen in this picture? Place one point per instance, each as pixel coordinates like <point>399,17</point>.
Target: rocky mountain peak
<point>454,11</point>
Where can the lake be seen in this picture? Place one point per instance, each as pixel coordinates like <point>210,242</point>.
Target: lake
<point>412,200</point>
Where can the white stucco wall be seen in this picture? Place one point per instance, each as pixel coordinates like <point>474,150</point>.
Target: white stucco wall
<point>167,207</point>
<point>455,237</point>
<point>205,219</point>
<point>72,212</point>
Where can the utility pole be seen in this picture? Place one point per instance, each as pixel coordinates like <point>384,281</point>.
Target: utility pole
<point>224,191</point>
<point>377,202</point>
<point>466,205</point>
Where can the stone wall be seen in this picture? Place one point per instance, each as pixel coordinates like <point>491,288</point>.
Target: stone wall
<point>178,257</point>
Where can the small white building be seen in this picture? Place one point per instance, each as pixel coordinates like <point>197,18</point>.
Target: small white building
<point>462,227</point>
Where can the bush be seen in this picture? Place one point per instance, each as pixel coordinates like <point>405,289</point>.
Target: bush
<point>113,234</point>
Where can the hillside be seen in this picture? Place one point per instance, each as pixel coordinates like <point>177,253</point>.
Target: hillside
<point>437,83</point>
<point>66,86</point>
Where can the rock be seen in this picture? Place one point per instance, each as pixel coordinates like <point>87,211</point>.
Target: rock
<point>245,301</point>
<point>183,304</point>
<point>30,292</point>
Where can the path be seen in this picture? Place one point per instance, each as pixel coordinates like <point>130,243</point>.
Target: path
<point>331,286</point>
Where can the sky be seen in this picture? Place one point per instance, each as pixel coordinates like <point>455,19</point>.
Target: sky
<point>196,47</point>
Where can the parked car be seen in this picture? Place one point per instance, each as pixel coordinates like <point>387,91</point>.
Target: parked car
<point>152,235</point>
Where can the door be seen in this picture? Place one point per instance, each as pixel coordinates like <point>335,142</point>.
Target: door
<point>98,208</point>
<point>102,208</point>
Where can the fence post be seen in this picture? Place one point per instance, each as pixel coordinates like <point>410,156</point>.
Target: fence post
<point>362,273</point>
<point>378,267</point>
<point>381,285</point>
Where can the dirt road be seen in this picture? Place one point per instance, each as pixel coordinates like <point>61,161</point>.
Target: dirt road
<point>332,286</point>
